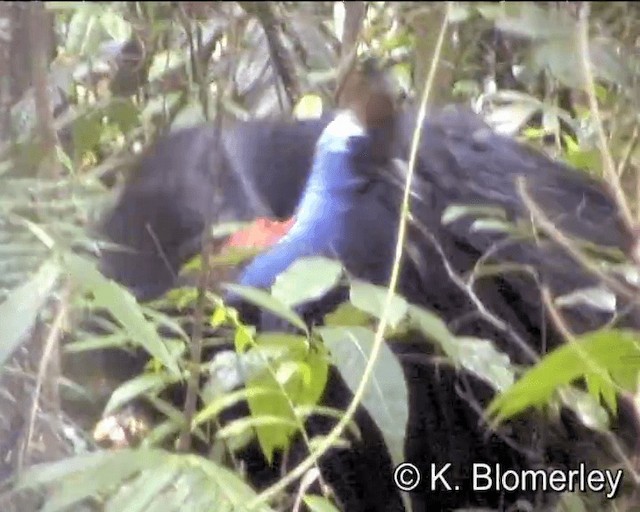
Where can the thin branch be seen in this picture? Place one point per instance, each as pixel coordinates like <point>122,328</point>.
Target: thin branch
<point>280,54</point>
<point>547,226</point>
<point>49,354</point>
<point>609,168</point>
<point>348,416</point>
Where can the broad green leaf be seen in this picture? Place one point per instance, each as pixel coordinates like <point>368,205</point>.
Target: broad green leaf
<point>386,395</point>
<point>305,280</point>
<point>117,339</point>
<point>610,354</point>
<point>608,63</point>
<point>371,299</point>
<point>298,379</point>
<point>136,495</point>
<point>347,314</point>
<point>435,329</point>
<point>223,401</point>
<point>459,12</point>
<point>572,502</point>
<point>124,113</point>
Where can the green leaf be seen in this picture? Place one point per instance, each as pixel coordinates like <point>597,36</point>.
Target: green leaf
<point>116,339</point>
<point>319,504</point>
<point>20,309</point>
<point>122,306</point>
<point>264,300</point>
<point>138,493</point>
<point>610,354</point>
<point>132,478</point>
<point>552,56</point>
<point>223,401</point>
<point>572,502</point>
<point>608,63</point>
<point>305,280</point>
<point>347,314</point>
<point>297,379</point>
<point>136,387</point>
<point>371,299</point>
<point>386,395</point>
<point>435,329</point>
<point>86,133</point>
<point>459,12</point>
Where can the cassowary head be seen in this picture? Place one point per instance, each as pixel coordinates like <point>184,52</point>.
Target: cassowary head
<point>342,192</point>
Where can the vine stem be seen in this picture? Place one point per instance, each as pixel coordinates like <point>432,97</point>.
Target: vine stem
<point>337,431</point>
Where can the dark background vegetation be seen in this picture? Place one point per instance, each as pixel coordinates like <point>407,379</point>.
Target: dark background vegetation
<point>85,87</point>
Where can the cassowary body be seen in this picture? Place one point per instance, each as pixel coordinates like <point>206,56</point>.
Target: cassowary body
<point>349,210</point>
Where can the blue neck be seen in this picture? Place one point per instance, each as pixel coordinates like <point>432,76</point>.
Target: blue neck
<point>324,207</point>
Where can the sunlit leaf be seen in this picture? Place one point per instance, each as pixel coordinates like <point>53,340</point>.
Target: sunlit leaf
<point>611,354</point>
<point>305,280</point>
<point>319,504</point>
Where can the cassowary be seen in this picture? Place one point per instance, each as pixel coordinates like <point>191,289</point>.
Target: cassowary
<point>349,209</point>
